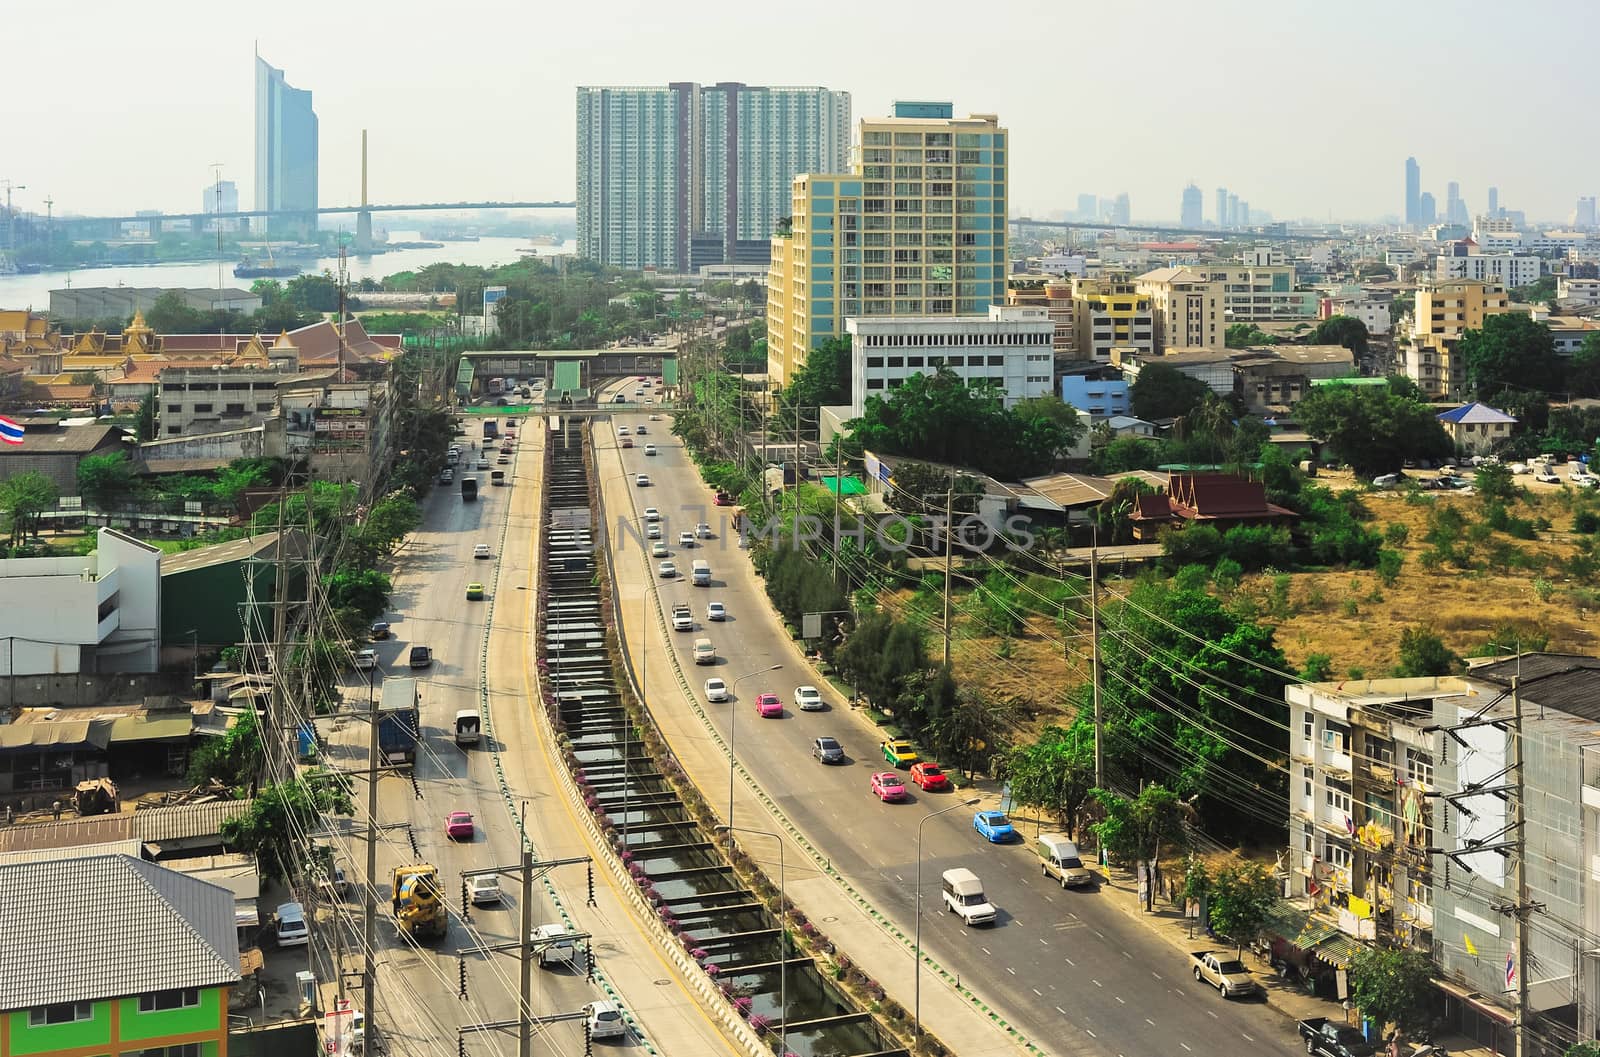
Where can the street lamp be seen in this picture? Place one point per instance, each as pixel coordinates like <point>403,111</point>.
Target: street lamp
<point>916,1009</point>
<point>733,715</point>
<point>783,936</point>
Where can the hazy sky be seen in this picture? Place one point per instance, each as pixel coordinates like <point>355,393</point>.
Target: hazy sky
<point>1302,110</point>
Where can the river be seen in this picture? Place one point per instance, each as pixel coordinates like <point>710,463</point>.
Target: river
<point>33,291</point>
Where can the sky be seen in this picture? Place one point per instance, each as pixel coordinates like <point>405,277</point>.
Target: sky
<point>1307,111</point>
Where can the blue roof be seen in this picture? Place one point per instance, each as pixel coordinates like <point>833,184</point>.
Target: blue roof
<point>1475,413</point>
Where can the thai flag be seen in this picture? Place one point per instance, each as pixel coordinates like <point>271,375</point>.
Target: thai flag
<point>10,432</point>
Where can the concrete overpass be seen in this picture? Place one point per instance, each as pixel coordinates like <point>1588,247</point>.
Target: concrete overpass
<point>81,227</point>
<point>1210,233</point>
<point>569,370</point>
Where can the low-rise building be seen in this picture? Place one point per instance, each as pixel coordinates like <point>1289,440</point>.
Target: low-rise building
<point>1213,367</point>
<point>56,450</point>
<point>219,397</point>
<point>109,302</point>
<point>1054,295</point>
<point>1272,379</point>
<point>1011,348</point>
<point>1580,291</point>
<point>110,954</point>
<point>1221,500</point>
<point>1507,269</point>
<point>1568,332</point>
<point>1477,427</point>
<point>1373,312</point>
<point>1097,389</point>
<point>1187,308</point>
<point>1446,309</point>
<point>1110,313</point>
<point>1259,287</point>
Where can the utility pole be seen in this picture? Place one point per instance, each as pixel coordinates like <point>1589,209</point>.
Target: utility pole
<point>1520,872</point>
<point>1094,660</point>
<point>525,981</point>
<point>838,491</point>
<point>369,982</point>
<point>280,626</point>
<point>949,559</point>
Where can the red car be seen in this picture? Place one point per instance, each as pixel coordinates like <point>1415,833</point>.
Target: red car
<point>722,499</point>
<point>886,786</point>
<point>458,825</point>
<point>768,706</point>
<point>928,776</point>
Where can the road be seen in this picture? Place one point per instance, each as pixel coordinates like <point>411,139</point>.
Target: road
<point>1073,973</point>
<point>419,1004</point>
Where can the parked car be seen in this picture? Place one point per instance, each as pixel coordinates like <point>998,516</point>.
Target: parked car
<point>809,699</point>
<point>458,825</point>
<point>1059,858</point>
<point>1327,1038</point>
<point>716,611</point>
<point>289,927</point>
<point>484,888</point>
<point>886,786</point>
<point>993,826</point>
<point>827,750</point>
<point>716,691</point>
<point>1226,973</point>
<point>769,706</point>
<point>1387,480</point>
<point>1546,477</point>
<point>899,752</point>
<point>928,777</point>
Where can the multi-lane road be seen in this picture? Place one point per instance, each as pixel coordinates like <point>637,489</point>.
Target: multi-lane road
<point>1074,974</point>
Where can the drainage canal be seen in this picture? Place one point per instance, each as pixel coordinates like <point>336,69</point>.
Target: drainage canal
<point>730,929</point>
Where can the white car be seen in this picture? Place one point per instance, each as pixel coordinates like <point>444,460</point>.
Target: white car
<point>605,1020</point>
<point>667,570</point>
<point>702,531</point>
<point>623,431</point>
<point>484,889</point>
<point>652,514</point>
<point>481,551</point>
<point>686,539</point>
<point>366,660</point>
<point>808,699</point>
<point>649,449</point>
<point>658,549</point>
<point>642,480</point>
<point>716,690</point>
<point>653,532</point>
<point>716,611</point>
<point>1546,477</point>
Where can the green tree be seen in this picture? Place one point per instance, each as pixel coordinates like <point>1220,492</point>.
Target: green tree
<point>238,477</point>
<point>1401,307</point>
<point>1056,422</point>
<point>1495,482</point>
<point>1318,668</point>
<point>102,478</point>
<point>1424,653</point>
<point>1113,517</point>
<point>388,522</point>
<point>312,293</point>
<point>23,497</point>
<point>1393,985</point>
<point>1242,897</point>
<point>1583,1049</point>
<point>1243,335</point>
<point>1055,771</point>
<point>919,490</point>
<point>1128,453</point>
<point>1511,353</point>
<point>1374,270</point>
<point>1541,289</point>
<point>1374,429</point>
<point>279,814</point>
<point>1162,391</point>
<point>269,290</point>
<point>234,759</point>
<point>145,420</point>
<point>364,590</point>
<point>1583,369</point>
<point>1134,831</point>
<point>1341,330</point>
<point>171,314</point>
<point>824,379</point>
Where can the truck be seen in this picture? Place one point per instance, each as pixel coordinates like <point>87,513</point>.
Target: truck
<point>682,617</point>
<point>491,429</point>
<point>700,572</point>
<point>963,896</point>
<point>469,489</point>
<point>399,720</point>
<point>1327,1038</point>
<point>1224,972</point>
<point>418,902</point>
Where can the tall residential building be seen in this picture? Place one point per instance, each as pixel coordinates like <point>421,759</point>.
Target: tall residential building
<point>1584,215</point>
<point>1191,215</point>
<point>1446,309</point>
<point>1494,202</point>
<point>1413,193</point>
<point>918,228</point>
<point>1427,211</point>
<point>1088,207</point>
<point>685,175</point>
<point>1241,214</point>
<point>1122,210</point>
<point>1455,210</point>
<point>1186,307</point>
<point>286,150</point>
<point>1234,220</point>
<point>1222,207</point>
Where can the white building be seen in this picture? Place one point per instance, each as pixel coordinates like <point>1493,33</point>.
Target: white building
<point>86,614</point>
<point>1401,256</point>
<point>1583,291</point>
<point>1372,312</point>
<point>1072,264</point>
<point>1011,348</point>
<point>1508,269</point>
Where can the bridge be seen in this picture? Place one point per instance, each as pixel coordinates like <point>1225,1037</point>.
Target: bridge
<point>1210,233</point>
<point>108,227</point>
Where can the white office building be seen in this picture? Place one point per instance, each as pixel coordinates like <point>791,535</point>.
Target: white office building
<point>1507,269</point>
<point>1010,348</point>
<point>84,614</point>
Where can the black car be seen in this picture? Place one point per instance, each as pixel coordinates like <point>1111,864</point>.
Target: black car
<point>380,629</point>
<point>421,657</point>
<point>827,750</point>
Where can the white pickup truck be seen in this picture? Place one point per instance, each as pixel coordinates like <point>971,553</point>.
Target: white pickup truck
<point>682,618</point>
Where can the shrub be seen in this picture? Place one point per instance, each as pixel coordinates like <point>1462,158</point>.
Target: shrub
<point>1396,534</point>
<point>1389,563</point>
<point>1586,521</point>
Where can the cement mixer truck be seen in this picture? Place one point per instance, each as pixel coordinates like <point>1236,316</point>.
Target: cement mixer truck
<point>418,902</point>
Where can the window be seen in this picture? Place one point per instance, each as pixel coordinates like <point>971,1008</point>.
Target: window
<point>1335,736</point>
<point>175,409</point>
<point>1419,767</point>
<point>202,409</point>
<point>1336,854</point>
<point>1305,774</point>
<point>175,998</point>
<point>60,1013</point>
<point>1337,796</point>
<point>191,1049</point>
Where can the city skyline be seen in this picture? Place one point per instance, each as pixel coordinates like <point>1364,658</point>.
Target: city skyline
<point>432,140</point>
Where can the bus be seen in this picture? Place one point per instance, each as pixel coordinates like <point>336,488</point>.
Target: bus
<point>491,428</point>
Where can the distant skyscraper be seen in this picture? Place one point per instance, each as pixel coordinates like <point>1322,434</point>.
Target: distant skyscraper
<point>1222,207</point>
<point>1455,210</point>
<point>1584,215</point>
<point>1088,207</point>
<point>683,175</point>
<point>1233,211</point>
<point>1241,214</point>
<point>1192,213</point>
<point>286,149</point>
<point>1426,209</point>
<point>220,197</point>
<point>1494,203</point>
<point>1413,193</point>
<point>1122,212</point>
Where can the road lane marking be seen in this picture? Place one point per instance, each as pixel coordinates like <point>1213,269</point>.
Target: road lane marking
<point>1061,1011</point>
<point>1072,963</point>
<point>1155,974</point>
<point>1150,1022</point>
<point>1125,954</point>
<point>1016,921</point>
<point>1092,1035</point>
<point>1097,932</point>
<point>1185,1045</point>
<point>1212,1015</point>
<point>1252,1038</point>
<point>1038,992</point>
<point>1012,971</point>
<point>1097,983</point>
<point>986,951</point>
<point>1044,941</point>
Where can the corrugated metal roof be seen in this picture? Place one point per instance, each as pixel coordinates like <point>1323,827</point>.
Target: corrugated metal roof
<point>116,847</point>
<point>183,822</point>
<point>79,930</point>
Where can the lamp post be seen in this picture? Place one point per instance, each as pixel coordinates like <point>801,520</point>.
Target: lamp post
<point>783,936</point>
<point>733,717</point>
<point>916,1006</point>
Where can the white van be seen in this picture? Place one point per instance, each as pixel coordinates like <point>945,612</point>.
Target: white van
<point>1059,858</point>
<point>289,925</point>
<point>468,727</point>
<point>554,951</point>
<point>963,895</point>
<point>704,652</point>
<point>702,572</point>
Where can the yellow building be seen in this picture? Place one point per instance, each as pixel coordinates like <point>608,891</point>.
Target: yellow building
<point>1446,309</point>
<point>1112,314</point>
<point>918,228</point>
<point>1187,308</point>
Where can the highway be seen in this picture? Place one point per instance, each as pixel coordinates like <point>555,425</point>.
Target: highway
<point>1073,973</point>
<point>419,1004</point>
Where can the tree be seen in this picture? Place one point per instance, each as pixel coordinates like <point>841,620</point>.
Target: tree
<point>23,497</point>
<point>1373,429</point>
<point>1056,420</point>
<point>269,290</point>
<point>1133,831</point>
<point>238,477</point>
<point>278,814</point>
<point>171,314</point>
<point>1495,482</point>
<point>388,522</point>
<point>1393,985</point>
<point>1541,289</point>
<point>1243,335</point>
<point>824,379</point>
<point>313,293</point>
<point>1583,1049</point>
<point>233,759</point>
<point>1374,270</point>
<point>1162,391</point>
<point>364,590</point>
<point>1342,330</point>
<point>919,490</point>
<point>1512,353</point>
<point>104,477</point>
<point>1241,899</point>
<point>1424,653</point>
<point>145,421</point>
<point>1055,771</point>
<point>1583,369</point>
